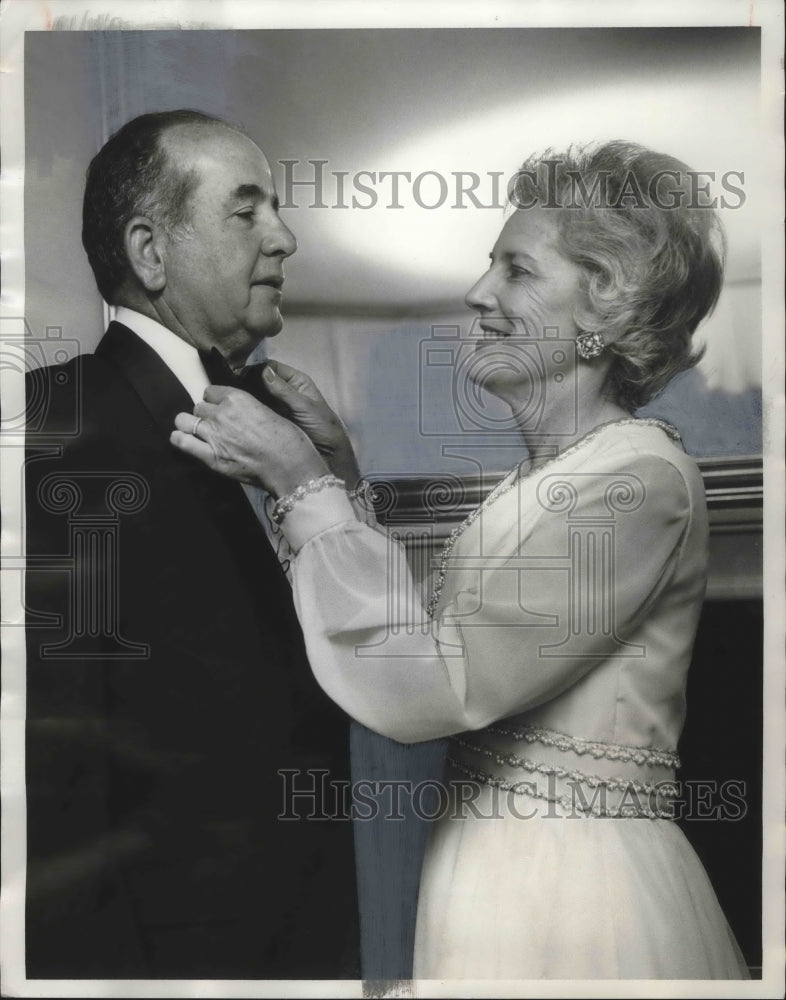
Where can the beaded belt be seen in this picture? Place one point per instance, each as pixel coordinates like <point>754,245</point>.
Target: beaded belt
<point>574,791</point>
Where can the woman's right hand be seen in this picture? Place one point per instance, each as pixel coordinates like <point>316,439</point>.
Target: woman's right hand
<point>306,407</point>
<point>237,436</point>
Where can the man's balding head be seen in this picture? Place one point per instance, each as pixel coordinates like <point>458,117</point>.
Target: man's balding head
<point>134,174</point>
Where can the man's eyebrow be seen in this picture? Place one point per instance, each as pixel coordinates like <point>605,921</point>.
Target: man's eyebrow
<point>253,191</point>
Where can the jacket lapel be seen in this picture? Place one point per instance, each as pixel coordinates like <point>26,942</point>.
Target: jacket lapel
<point>162,394</point>
<point>221,500</point>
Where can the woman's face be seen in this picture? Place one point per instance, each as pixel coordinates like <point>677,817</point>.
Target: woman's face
<point>526,301</point>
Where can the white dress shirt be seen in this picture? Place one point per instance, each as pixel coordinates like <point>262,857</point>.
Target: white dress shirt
<point>180,357</point>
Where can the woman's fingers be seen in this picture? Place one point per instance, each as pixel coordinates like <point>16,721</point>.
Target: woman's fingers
<point>216,393</point>
<point>205,409</point>
<point>287,372</point>
<point>279,387</point>
<point>295,379</point>
<point>245,440</point>
<point>188,423</point>
<point>191,445</point>
<point>233,410</point>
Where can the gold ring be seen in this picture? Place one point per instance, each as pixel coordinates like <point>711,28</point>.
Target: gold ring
<point>196,425</point>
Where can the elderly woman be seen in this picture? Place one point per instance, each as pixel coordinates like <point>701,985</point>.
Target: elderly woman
<point>564,608</point>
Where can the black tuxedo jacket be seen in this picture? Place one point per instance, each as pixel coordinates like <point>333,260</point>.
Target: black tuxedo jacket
<point>167,687</point>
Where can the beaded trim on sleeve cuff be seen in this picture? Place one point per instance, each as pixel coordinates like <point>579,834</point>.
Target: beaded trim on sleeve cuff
<point>285,504</point>
<point>364,492</point>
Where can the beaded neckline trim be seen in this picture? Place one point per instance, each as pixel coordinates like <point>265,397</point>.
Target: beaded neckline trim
<point>507,484</point>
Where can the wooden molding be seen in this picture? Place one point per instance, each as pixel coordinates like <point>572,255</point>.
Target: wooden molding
<point>734,489</point>
<point>422,512</point>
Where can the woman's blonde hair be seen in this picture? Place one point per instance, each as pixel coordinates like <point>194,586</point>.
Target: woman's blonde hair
<point>652,251</point>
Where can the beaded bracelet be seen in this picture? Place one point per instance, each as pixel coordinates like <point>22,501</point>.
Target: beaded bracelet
<point>285,504</point>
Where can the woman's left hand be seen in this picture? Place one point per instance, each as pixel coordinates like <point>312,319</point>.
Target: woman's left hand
<point>241,438</point>
<point>307,407</point>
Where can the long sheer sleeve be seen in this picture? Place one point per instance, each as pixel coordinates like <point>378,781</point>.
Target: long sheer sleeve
<point>561,587</point>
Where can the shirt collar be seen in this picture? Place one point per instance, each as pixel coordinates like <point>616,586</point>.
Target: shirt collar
<point>180,357</point>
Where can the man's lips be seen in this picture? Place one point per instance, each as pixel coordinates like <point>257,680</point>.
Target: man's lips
<point>274,281</point>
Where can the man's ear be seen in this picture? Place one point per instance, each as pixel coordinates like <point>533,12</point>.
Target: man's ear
<point>142,241</point>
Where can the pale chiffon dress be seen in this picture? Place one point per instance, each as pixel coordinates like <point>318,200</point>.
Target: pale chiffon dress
<point>563,620</point>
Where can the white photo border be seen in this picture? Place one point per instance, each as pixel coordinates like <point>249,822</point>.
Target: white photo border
<point>20,16</point>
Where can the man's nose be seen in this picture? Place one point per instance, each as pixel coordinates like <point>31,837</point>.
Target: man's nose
<point>278,240</point>
<point>481,296</point>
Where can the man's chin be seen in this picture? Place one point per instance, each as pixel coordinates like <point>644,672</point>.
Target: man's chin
<point>269,327</point>
<point>243,341</point>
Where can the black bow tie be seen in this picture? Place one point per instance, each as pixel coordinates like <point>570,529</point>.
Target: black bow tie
<point>248,378</point>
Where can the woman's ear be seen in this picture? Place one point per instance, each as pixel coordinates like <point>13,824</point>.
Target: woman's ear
<point>142,241</point>
<point>587,319</point>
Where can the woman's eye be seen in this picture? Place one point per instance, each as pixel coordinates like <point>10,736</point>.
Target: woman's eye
<point>519,272</point>
<point>246,213</point>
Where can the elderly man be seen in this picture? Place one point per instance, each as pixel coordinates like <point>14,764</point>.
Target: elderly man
<point>167,680</point>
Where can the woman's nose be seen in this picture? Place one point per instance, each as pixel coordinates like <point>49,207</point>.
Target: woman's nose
<point>481,296</point>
